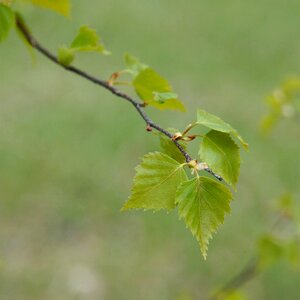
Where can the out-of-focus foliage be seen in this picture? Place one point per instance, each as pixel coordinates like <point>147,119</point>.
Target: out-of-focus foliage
<point>284,241</point>
<point>284,102</point>
<point>60,6</point>
<point>7,20</point>
<point>233,295</point>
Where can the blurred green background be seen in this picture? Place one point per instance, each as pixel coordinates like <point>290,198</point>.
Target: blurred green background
<point>68,150</point>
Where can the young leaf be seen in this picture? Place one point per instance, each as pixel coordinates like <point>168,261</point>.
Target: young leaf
<point>213,122</point>
<point>155,183</point>
<point>149,84</point>
<point>133,64</point>
<point>202,203</point>
<point>168,147</point>
<point>221,154</point>
<point>7,21</point>
<point>87,39</point>
<point>60,6</point>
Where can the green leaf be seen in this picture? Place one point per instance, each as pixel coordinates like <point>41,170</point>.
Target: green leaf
<point>87,39</point>
<point>221,154</point>
<point>213,122</point>
<point>7,21</point>
<point>148,83</point>
<point>133,64</point>
<point>155,183</point>
<point>60,6</point>
<point>202,203</point>
<point>168,147</point>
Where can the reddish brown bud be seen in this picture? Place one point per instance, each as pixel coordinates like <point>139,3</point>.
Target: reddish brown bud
<point>149,128</point>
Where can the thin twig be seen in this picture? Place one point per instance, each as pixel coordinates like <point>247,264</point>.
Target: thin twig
<point>138,106</point>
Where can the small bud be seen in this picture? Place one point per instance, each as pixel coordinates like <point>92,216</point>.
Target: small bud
<point>177,136</point>
<point>113,78</point>
<point>193,164</point>
<point>189,138</point>
<point>149,128</point>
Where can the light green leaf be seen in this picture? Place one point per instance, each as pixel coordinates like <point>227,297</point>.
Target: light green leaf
<point>60,6</point>
<point>155,183</point>
<point>133,64</point>
<point>87,39</point>
<point>168,147</point>
<point>7,21</point>
<point>202,203</point>
<point>148,82</point>
<point>213,122</point>
<point>221,154</point>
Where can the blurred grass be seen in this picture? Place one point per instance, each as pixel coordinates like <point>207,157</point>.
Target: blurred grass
<point>68,150</point>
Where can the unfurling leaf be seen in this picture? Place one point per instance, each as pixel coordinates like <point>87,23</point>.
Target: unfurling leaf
<point>202,203</point>
<point>221,154</point>
<point>213,122</point>
<point>133,64</point>
<point>60,6</point>
<point>7,21</point>
<point>148,85</point>
<point>155,183</point>
<point>86,40</point>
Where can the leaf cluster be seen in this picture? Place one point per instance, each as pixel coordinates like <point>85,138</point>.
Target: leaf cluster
<point>162,179</point>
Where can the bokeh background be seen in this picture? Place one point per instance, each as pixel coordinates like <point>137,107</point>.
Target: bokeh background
<point>68,150</point>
